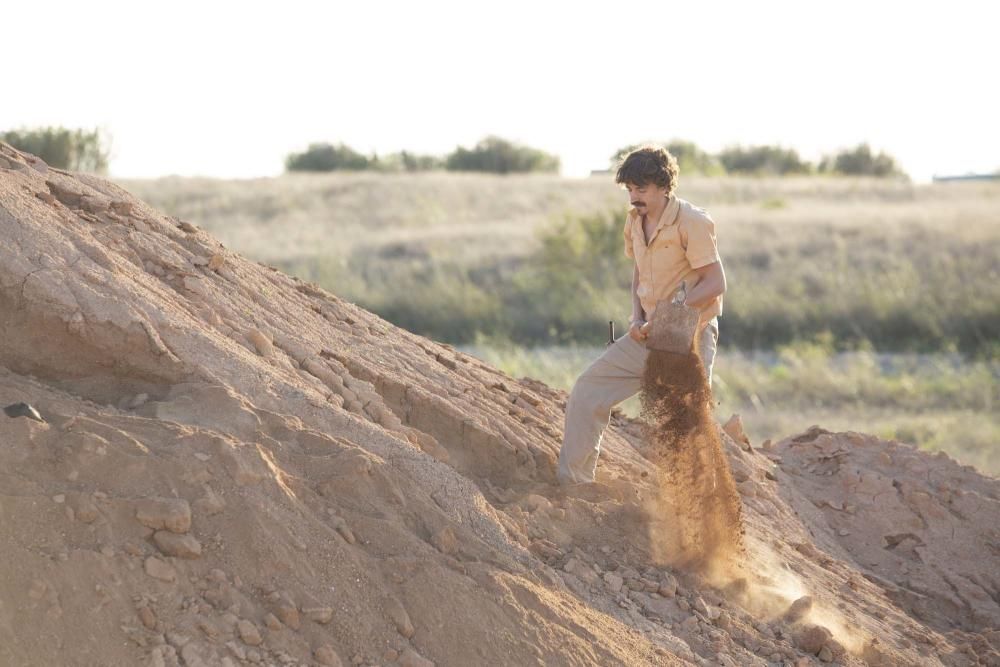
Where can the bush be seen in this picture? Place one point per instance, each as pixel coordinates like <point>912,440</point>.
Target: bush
<point>763,160</point>
<point>64,148</point>
<point>500,156</point>
<point>860,161</point>
<point>690,158</point>
<point>326,157</point>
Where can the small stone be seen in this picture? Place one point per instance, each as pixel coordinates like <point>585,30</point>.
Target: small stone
<point>734,429</point>
<point>747,489</point>
<point>181,546</point>
<point>272,622</point>
<point>825,655</point>
<point>157,569</point>
<point>399,616</point>
<point>699,605</point>
<point>326,655</point>
<point>147,617</point>
<point>59,498</point>
<point>248,632</point>
<point>289,615</point>
<point>843,532</point>
<point>187,227</point>
<point>138,400</point>
<point>216,261</point>
<point>174,514</point>
<point>321,615</point>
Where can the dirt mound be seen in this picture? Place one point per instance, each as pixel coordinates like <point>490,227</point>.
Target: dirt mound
<point>236,467</point>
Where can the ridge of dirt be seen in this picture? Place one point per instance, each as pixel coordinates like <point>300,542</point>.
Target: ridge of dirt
<point>240,468</point>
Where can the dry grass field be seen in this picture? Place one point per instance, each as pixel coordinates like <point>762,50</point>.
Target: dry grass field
<point>856,304</point>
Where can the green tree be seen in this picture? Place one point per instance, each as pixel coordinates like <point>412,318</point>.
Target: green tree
<point>327,157</point>
<point>860,161</point>
<point>64,148</point>
<point>762,160</point>
<point>500,156</point>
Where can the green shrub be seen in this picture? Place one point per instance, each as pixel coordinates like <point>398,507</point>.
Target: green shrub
<point>64,148</point>
<point>763,160</point>
<point>326,157</point>
<point>500,156</point>
<point>860,161</point>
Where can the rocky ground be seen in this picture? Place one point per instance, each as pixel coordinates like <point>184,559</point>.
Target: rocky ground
<point>235,467</point>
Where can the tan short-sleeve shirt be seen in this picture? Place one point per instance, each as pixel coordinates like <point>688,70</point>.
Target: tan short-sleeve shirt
<point>682,241</point>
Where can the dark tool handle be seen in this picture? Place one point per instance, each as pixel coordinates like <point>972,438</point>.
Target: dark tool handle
<point>611,332</point>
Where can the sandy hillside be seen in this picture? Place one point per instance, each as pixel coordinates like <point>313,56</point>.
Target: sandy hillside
<point>236,467</point>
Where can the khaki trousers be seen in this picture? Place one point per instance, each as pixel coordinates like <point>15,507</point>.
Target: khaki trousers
<point>613,377</point>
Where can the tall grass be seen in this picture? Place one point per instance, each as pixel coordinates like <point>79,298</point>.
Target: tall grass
<point>936,402</point>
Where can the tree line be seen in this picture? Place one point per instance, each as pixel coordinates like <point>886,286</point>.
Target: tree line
<point>88,150</point>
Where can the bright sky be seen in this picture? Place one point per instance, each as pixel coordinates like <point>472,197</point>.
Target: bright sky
<point>228,89</point>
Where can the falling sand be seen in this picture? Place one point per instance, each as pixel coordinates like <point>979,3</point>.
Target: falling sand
<point>700,509</point>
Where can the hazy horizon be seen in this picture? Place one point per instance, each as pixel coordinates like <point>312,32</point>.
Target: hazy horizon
<point>229,91</point>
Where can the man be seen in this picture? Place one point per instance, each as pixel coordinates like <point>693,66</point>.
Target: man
<point>672,242</point>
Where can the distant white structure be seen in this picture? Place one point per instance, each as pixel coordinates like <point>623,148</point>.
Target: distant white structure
<point>967,177</point>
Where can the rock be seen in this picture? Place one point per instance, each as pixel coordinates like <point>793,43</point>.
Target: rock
<point>248,632</point>
<point>398,614</point>
<point>445,541</point>
<point>613,582</point>
<point>326,655</point>
<point>321,615</point>
<point>798,610</point>
<point>272,622</point>
<point>747,488</point>
<point>577,567</point>
<point>825,655</point>
<point>668,586</point>
<point>157,569</point>
<point>173,514</point>
<point>262,343</point>
<point>181,546</point>
<point>698,604</point>
<point>811,638</point>
<point>23,410</point>
<point>411,658</point>
<point>289,615</point>
<point>734,429</point>
<point>343,529</point>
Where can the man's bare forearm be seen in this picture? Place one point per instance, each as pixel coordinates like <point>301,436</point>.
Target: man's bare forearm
<point>711,283</point>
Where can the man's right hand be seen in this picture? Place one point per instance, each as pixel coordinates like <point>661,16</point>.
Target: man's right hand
<point>638,331</point>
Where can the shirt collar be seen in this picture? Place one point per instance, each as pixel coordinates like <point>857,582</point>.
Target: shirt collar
<point>667,218</point>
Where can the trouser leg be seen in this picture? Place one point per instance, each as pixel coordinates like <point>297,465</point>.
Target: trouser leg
<point>613,377</point>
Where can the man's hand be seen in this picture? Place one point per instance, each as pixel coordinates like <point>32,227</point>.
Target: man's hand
<point>638,331</point>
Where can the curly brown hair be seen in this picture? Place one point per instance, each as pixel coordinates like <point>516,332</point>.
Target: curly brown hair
<point>649,164</point>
